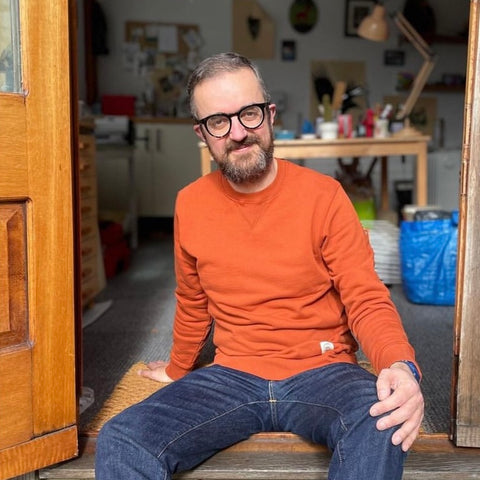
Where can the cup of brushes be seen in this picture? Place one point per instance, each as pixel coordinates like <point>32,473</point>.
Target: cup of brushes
<point>328,128</point>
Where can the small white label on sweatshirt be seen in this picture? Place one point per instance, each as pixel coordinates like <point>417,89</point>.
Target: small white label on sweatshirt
<point>326,346</point>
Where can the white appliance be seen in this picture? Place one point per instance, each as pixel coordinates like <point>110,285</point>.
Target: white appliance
<point>444,178</point>
<point>112,129</point>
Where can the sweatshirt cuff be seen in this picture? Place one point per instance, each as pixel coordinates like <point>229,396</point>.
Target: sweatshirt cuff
<point>175,372</point>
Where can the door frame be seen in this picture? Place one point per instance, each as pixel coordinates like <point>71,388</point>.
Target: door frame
<point>465,391</point>
<point>465,428</point>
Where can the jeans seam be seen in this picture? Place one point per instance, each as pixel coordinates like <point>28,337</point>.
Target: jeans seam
<point>341,459</point>
<point>210,420</point>
<point>272,403</point>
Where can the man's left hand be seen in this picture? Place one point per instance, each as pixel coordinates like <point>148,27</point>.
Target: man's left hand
<point>400,394</point>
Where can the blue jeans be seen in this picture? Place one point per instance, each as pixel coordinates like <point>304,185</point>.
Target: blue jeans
<point>214,407</point>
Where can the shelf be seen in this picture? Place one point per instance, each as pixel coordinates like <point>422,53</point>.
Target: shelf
<point>454,39</point>
<point>444,88</point>
<point>438,88</point>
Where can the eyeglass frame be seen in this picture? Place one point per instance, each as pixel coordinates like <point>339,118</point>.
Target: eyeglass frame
<point>203,121</point>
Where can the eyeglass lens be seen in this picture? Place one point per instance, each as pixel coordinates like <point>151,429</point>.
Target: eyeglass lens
<point>251,116</point>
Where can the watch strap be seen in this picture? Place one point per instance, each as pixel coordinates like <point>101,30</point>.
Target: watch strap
<point>413,368</point>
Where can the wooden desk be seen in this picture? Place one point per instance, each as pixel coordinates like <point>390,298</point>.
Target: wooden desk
<point>354,147</point>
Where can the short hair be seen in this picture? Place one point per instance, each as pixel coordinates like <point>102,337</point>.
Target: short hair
<point>217,64</point>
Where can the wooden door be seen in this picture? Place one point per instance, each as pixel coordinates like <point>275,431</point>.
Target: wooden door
<point>37,349</point>
<point>466,378</point>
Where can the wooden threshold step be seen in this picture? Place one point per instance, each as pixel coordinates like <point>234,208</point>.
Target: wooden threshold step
<point>286,457</point>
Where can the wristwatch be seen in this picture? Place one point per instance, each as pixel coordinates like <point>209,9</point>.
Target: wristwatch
<point>413,369</point>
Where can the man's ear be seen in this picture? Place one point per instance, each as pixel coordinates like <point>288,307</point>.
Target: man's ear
<point>197,128</point>
<point>273,111</point>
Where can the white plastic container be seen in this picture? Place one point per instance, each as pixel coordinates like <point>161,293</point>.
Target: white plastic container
<point>328,130</point>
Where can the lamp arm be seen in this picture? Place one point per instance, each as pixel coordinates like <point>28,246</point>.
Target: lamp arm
<point>412,35</point>
<point>418,84</point>
<point>426,52</point>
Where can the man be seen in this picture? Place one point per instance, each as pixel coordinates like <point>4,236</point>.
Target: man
<point>276,255</point>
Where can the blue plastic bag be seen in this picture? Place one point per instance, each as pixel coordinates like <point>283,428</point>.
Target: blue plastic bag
<point>428,258</point>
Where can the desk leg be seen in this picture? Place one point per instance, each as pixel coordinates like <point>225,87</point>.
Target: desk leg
<point>421,179</point>
<point>385,201</point>
<point>205,160</point>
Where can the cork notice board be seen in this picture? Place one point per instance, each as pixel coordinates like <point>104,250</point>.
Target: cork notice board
<point>253,30</point>
<point>178,39</point>
<point>164,54</point>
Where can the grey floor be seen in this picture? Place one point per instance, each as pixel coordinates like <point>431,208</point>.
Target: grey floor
<point>138,325</point>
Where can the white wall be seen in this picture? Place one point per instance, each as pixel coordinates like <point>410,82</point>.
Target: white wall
<point>325,42</point>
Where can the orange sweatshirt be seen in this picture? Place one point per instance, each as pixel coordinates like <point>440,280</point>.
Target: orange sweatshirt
<point>287,273</point>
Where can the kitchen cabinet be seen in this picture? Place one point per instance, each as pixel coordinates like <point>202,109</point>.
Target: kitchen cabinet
<point>165,160</point>
<point>117,196</point>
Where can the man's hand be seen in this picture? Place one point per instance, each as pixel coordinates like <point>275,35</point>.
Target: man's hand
<point>400,394</point>
<point>156,371</point>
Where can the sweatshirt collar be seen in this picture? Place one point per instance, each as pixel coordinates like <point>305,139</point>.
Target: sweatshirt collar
<point>255,197</point>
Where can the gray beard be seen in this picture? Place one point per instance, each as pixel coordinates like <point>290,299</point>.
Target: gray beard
<point>243,172</point>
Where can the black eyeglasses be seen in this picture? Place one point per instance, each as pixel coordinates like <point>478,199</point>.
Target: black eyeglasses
<point>220,124</point>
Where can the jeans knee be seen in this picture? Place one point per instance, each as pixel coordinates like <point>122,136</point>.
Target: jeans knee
<point>114,439</point>
<point>121,454</point>
<point>108,432</point>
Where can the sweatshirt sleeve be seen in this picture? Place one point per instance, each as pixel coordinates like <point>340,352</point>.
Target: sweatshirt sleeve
<point>192,321</point>
<point>371,315</point>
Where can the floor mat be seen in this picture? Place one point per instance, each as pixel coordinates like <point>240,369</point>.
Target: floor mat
<point>131,389</point>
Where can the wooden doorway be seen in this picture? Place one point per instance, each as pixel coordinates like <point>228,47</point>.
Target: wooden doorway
<point>36,206</point>
<point>37,350</point>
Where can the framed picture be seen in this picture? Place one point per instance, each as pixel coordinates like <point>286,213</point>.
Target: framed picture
<point>289,50</point>
<point>394,57</point>
<point>355,12</point>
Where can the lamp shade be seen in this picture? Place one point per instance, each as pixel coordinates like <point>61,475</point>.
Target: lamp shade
<point>374,26</point>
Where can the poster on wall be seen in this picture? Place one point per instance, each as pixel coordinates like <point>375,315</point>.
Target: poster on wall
<point>424,114</point>
<point>289,50</point>
<point>253,30</point>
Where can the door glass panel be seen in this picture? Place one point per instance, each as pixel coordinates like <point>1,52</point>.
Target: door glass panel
<point>10,60</point>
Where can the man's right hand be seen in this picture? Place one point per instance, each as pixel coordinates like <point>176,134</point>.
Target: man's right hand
<point>156,371</point>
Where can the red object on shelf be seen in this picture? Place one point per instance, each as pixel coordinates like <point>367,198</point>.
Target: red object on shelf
<point>118,105</point>
<point>369,123</point>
